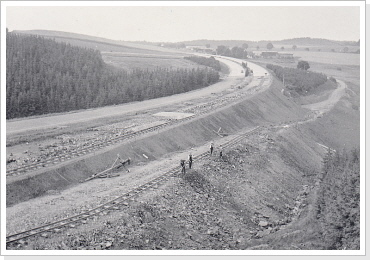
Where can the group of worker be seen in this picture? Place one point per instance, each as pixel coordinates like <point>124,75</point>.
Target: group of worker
<point>190,158</point>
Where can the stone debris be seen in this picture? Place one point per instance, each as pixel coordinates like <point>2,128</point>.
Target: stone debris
<point>263,223</point>
<point>67,144</point>
<point>223,203</point>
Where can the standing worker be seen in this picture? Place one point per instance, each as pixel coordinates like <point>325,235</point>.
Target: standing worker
<point>182,163</point>
<point>220,151</point>
<point>190,160</point>
<point>211,148</point>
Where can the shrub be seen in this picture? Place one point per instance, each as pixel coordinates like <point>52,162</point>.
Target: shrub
<point>303,65</point>
<point>339,200</point>
<point>298,80</point>
<point>209,62</point>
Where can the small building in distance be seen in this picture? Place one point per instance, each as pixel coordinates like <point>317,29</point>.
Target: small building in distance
<point>202,49</point>
<point>269,54</point>
<point>285,56</point>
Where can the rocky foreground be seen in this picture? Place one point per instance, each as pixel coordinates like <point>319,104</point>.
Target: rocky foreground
<point>227,202</point>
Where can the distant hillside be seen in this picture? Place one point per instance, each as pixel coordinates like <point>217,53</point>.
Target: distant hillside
<point>103,44</point>
<point>306,41</point>
<point>97,43</point>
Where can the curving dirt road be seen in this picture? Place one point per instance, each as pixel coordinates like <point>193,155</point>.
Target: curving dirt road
<point>326,105</point>
<point>36,123</point>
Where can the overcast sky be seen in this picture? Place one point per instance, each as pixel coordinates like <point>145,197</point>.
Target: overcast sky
<point>180,23</point>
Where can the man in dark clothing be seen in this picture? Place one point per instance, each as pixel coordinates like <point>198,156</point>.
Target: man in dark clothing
<point>182,163</point>
<point>211,148</point>
<point>190,160</point>
<point>220,151</point>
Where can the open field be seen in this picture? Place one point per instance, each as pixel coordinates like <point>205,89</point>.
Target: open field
<point>329,57</point>
<point>344,69</point>
<point>129,62</point>
<point>314,48</point>
<point>100,44</point>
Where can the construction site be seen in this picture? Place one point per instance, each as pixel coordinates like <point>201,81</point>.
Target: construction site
<point>112,178</point>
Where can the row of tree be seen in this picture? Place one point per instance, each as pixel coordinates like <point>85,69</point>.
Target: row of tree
<point>44,76</point>
<point>298,80</point>
<point>209,62</point>
<point>235,52</point>
<point>241,52</point>
<point>338,204</point>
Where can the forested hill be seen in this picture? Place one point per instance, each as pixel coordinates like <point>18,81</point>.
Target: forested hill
<point>44,76</point>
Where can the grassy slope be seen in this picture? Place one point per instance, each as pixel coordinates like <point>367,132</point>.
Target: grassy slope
<point>121,54</point>
<point>98,43</point>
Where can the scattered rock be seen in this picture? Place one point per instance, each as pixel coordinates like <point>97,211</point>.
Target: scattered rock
<point>263,223</point>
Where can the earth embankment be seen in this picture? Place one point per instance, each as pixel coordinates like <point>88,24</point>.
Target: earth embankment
<point>268,107</point>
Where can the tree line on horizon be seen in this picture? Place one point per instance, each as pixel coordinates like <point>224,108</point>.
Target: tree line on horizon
<point>44,76</point>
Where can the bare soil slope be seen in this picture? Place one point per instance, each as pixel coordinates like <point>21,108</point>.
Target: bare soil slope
<point>266,108</point>
<point>228,202</point>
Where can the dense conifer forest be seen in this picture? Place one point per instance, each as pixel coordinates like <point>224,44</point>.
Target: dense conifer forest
<point>44,76</point>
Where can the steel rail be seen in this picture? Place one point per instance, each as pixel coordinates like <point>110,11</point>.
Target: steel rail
<point>115,203</point>
<point>114,140</point>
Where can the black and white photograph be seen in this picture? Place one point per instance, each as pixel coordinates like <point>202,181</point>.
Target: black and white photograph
<point>183,128</point>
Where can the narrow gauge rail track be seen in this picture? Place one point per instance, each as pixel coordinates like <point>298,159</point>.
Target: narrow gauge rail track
<point>89,149</point>
<point>101,144</point>
<point>116,204</point>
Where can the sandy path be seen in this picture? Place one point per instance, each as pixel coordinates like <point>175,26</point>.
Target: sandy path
<point>22,125</point>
